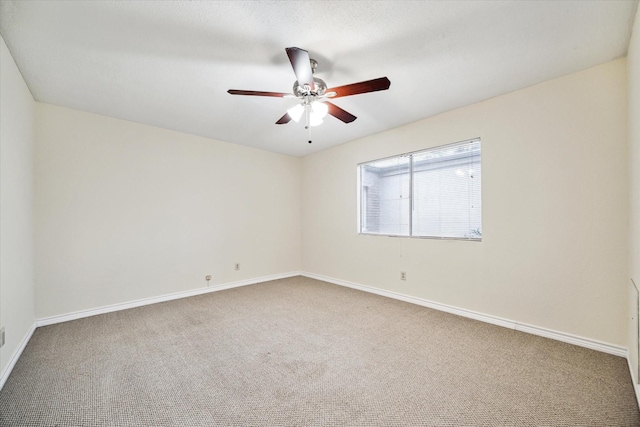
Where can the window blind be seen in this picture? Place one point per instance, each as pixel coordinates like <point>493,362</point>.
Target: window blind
<point>430,193</point>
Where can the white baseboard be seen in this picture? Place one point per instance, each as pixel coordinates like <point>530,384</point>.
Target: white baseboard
<point>535,330</point>
<point>531,329</point>
<point>16,355</point>
<point>168,297</point>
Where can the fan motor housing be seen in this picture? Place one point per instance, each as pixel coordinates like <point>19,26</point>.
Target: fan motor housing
<point>302,91</point>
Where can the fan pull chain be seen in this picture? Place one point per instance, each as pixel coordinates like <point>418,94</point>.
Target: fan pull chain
<point>307,110</point>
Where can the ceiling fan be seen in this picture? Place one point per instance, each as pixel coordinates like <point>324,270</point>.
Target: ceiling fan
<point>313,93</point>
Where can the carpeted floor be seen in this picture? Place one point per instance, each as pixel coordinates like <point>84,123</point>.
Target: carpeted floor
<point>302,352</point>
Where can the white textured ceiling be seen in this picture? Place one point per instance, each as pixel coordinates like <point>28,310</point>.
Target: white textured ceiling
<point>169,64</point>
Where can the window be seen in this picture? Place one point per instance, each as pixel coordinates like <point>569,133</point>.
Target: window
<point>433,193</point>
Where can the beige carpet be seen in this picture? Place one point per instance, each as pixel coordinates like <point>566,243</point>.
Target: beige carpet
<point>301,352</point>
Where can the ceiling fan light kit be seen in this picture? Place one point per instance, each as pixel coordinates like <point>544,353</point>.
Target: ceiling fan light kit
<point>315,109</point>
<point>313,93</point>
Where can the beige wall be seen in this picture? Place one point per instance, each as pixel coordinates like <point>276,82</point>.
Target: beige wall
<point>555,203</point>
<point>17,112</point>
<point>126,211</point>
<point>633,72</point>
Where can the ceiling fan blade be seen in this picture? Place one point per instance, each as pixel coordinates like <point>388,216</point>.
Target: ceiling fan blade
<point>257,93</point>
<point>284,119</point>
<point>301,64</point>
<point>374,85</point>
<point>339,113</point>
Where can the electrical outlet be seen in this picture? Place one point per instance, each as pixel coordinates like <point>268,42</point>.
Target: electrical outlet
<point>207,277</point>
<point>403,275</point>
<point>2,336</point>
<point>237,266</point>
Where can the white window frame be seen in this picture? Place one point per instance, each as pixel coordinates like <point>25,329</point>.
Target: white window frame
<point>362,204</point>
